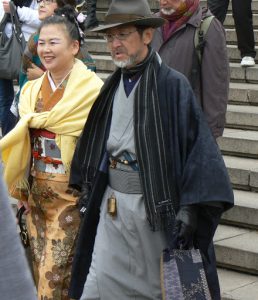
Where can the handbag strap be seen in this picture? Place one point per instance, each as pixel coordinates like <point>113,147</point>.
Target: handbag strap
<point>16,25</point>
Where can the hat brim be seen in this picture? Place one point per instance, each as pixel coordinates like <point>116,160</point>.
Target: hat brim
<point>153,22</point>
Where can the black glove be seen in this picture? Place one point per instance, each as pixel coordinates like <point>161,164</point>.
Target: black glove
<point>185,226</point>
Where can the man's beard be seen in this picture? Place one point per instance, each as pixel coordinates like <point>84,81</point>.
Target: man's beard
<point>125,63</point>
<point>167,11</point>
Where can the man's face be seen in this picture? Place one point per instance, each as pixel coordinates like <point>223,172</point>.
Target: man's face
<point>168,7</point>
<point>127,46</point>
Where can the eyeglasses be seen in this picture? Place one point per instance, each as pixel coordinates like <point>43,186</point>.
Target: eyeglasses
<point>122,36</point>
<point>46,2</point>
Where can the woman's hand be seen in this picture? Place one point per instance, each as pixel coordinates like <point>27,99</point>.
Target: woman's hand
<point>25,204</point>
<point>34,72</point>
<point>6,6</point>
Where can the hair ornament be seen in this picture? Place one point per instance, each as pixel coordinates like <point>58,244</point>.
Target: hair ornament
<point>81,33</point>
<point>81,17</point>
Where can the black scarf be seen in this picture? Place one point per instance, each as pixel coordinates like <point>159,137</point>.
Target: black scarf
<point>151,148</point>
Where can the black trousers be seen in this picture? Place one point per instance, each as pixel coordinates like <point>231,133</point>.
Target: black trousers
<point>243,17</point>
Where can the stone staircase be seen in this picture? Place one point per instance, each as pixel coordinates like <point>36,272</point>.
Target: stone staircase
<point>236,240</point>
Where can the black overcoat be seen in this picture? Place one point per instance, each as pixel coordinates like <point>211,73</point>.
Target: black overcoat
<point>198,175</point>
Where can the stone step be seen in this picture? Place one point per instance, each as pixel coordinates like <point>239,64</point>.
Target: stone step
<point>239,142</point>
<point>242,117</point>
<point>237,286</point>
<point>99,45</point>
<point>243,172</point>
<point>243,93</point>
<point>247,75</point>
<point>236,248</point>
<point>229,21</point>
<point>104,63</point>
<point>232,39</point>
<point>230,33</point>
<point>234,54</point>
<point>245,211</point>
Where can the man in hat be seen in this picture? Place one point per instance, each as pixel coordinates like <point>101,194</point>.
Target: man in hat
<point>207,69</point>
<point>150,172</point>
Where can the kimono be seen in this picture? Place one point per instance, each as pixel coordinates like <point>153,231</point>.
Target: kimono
<point>54,219</point>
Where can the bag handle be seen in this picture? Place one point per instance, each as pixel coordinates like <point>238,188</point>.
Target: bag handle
<point>19,214</point>
<point>23,230</point>
<point>16,25</point>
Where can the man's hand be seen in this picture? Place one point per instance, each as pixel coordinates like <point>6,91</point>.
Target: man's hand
<point>6,6</point>
<point>34,72</point>
<point>186,225</point>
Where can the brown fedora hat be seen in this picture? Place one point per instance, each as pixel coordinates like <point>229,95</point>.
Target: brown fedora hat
<point>125,12</point>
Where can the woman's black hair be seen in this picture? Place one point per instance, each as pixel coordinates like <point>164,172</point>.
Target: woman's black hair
<point>66,16</point>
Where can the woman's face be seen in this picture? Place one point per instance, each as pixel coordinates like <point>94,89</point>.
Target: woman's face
<point>46,8</point>
<point>56,49</point>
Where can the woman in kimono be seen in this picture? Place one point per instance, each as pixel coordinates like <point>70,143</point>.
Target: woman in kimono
<point>53,110</point>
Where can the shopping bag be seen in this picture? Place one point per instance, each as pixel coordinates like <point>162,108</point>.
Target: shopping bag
<point>183,276</point>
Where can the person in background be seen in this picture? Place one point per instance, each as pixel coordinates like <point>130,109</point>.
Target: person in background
<point>53,110</point>
<point>15,278</point>
<point>209,73</point>
<point>28,16</point>
<point>148,168</point>
<point>91,20</point>
<point>243,17</point>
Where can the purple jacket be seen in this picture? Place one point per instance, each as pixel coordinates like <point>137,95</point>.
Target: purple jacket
<point>211,88</point>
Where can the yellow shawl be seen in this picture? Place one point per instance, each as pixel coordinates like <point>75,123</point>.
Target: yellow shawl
<point>66,119</point>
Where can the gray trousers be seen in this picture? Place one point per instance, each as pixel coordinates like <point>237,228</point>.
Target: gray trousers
<point>126,256</point>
